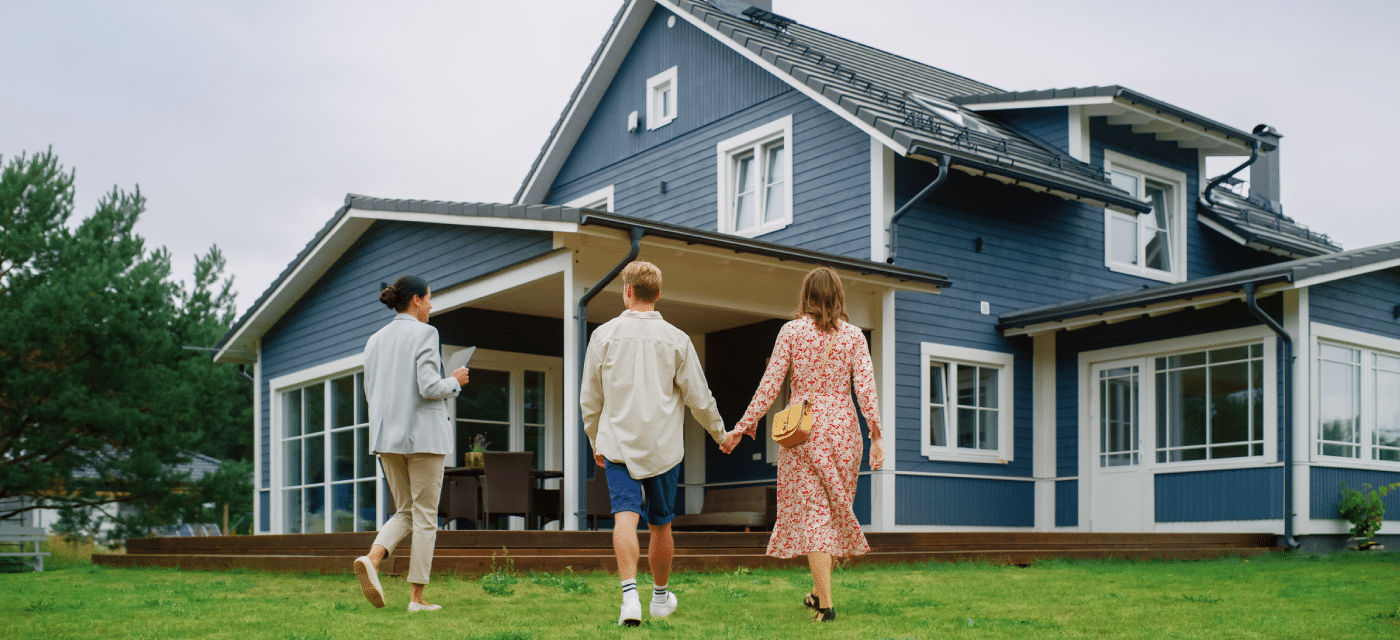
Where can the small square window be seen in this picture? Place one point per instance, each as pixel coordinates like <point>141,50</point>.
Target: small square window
<point>967,413</point>
<point>755,180</point>
<point>661,99</point>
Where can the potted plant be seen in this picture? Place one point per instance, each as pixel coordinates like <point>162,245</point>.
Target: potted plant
<point>1364,511</point>
<point>473,458</point>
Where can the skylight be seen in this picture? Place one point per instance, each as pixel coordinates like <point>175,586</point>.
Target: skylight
<point>951,113</point>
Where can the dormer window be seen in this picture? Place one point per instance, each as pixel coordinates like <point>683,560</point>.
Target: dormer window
<point>1152,244</point>
<point>661,99</point>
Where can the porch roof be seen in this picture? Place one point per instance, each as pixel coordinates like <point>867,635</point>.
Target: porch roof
<point>1128,304</point>
<point>359,211</point>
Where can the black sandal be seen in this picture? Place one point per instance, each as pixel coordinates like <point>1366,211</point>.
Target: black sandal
<point>810,602</point>
<point>825,615</point>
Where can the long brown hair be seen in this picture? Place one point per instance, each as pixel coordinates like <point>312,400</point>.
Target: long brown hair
<point>823,298</point>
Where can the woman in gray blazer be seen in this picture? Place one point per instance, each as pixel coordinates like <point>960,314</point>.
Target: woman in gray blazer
<point>410,431</point>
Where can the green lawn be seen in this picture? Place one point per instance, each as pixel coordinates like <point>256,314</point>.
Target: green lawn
<point>1339,596</point>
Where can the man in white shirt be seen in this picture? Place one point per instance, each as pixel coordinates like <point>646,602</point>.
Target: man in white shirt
<point>639,372</point>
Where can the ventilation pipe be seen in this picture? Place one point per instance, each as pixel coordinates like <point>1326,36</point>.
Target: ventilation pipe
<point>1288,514</point>
<point>943,161</point>
<point>585,456</point>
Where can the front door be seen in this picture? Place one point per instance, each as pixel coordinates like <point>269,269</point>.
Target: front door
<point>1118,482</point>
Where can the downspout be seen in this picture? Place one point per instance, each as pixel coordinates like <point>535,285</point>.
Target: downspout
<point>932,186</point>
<point>1288,514</point>
<point>1206,199</point>
<point>585,456</point>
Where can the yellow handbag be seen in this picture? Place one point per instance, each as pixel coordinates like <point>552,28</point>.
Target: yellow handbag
<point>792,425</point>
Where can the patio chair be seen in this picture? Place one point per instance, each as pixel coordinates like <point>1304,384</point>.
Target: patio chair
<point>599,502</point>
<point>460,500</point>
<point>508,484</point>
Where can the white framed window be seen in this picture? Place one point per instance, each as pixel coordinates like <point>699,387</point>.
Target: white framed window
<point>1358,399</point>
<point>967,407</point>
<point>1153,244</point>
<point>755,180</point>
<point>661,99</point>
<point>513,400</point>
<point>329,480</point>
<point>1210,404</point>
<point>600,200</point>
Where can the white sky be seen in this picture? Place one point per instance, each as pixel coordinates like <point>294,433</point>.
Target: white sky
<point>246,122</point>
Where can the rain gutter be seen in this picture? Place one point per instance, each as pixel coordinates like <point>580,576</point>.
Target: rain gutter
<point>1288,513</point>
<point>932,186</point>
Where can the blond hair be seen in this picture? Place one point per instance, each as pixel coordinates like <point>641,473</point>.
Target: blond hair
<point>645,279</point>
<point>823,298</point>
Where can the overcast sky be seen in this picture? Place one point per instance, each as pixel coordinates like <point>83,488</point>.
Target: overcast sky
<point>246,122</point>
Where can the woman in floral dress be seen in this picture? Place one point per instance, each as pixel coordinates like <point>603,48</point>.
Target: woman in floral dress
<point>817,479</point>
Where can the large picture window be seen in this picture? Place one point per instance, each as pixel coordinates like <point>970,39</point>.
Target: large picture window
<point>1152,244</point>
<point>1358,402</point>
<point>510,403</point>
<point>1210,404</point>
<point>755,180</point>
<point>967,413</point>
<point>328,474</point>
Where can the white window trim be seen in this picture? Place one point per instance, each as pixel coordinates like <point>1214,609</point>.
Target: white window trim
<point>753,140</point>
<point>1006,414</point>
<point>1147,428</point>
<point>654,84</point>
<point>1176,180</point>
<point>1367,342</point>
<point>600,199</point>
<point>349,365</point>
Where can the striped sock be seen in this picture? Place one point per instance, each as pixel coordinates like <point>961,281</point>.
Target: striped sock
<point>629,590</point>
<point>658,594</point>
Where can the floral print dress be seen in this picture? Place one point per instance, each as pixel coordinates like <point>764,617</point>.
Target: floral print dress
<point>817,479</point>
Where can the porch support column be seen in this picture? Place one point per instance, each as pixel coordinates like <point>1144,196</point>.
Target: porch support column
<point>882,482</point>
<point>575,474</point>
<point>1043,428</point>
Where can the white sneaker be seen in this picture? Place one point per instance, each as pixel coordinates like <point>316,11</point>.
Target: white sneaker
<point>631,614</point>
<point>369,581</point>
<point>414,606</point>
<point>663,609</point>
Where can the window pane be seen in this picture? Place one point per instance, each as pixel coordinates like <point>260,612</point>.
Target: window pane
<point>1340,410</point>
<point>987,388</point>
<point>1230,354</point>
<point>967,386</point>
<point>364,506</point>
<point>1387,394</point>
<point>343,455</point>
<point>967,428</point>
<point>291,413</point>
<point>486,398</point>
<point>343,401</point>
<point>936,383</point>
<point>774,203</point>
<point>665,100</point>
<point>315,458</point>
<point>291,463</point>
<point>314,404</point>
<point>745,210</point>
<point>534,397</point>
<point>534,441</point>
<point>497,437</point>
<point>343,507</point>
<point>291,511</point>
<point>1184,360</point>
<point>1229,403</point>
<point>988,429</point>
<point>314,501</point>
<point>1256,385</point>
<point>1123,238</point>
<point>361,404</point>
<point>367,462</point>
<point>1158,254</point>
<point>938,431</point>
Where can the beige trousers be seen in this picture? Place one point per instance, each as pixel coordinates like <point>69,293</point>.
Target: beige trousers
<point>415,479</point>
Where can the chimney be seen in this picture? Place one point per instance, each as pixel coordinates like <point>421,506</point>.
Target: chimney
<point>1264,173</point>
<point>766,5</point>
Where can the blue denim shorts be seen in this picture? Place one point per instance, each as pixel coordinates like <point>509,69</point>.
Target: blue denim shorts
<point>654,497</point>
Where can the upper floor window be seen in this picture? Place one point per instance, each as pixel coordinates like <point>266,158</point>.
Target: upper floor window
<point>755,180</point>
<point>1358,402</point>
<point>967,412</point>
<point>1152,244</point>
<point>661,99</point>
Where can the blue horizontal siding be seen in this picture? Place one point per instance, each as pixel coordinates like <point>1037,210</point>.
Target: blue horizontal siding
<point>1049,124</point>
<point>1067,503</point>
<point>338,314</point>
<point>972,502</point>
<point>1326,490</point>
<point>1364,303</point>
<point>1227,494</point>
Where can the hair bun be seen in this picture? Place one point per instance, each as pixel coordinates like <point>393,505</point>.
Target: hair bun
<point>389,297</point>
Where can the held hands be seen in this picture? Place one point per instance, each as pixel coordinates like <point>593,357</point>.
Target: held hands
<point>731,440</point>
<point>602,462</point>
<point>461,375</point>
<point>877,453</point>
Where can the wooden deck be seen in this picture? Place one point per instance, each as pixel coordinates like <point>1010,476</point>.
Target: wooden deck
<point>476,552</point>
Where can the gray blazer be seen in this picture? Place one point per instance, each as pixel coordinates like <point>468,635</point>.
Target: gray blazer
<point>406,390</point>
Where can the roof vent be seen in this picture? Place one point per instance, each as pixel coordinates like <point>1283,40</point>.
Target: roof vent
<point>765,18</point>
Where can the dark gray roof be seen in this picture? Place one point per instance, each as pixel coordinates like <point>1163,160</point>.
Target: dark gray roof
<point>1293,271</point>
<point>1257,226</point>
<point>1114,91</point>
<point>598,218</point>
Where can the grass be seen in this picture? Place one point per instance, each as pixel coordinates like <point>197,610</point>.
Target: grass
<point>1283,596</point>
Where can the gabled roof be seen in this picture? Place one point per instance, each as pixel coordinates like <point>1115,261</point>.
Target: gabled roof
<point>872,89</point>
<point>1252,224</point>
<point>1123,106</point>
<point>359,212</point>
<point>1133,303</point>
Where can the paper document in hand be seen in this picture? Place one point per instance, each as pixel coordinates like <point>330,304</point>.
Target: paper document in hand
<point>460,359</point>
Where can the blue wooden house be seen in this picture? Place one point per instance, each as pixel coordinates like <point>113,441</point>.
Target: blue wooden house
<point>1074,327</point>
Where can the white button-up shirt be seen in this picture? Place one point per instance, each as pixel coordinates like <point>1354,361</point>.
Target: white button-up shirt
<point>639,372</point>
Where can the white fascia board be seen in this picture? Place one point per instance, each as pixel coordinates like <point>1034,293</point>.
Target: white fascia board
<point>785,77</point>
<point>578,113</point>
<point>525,224</point>
<point>1080,322</point>
<point>1035,104</point>
<point>302,277</point>
<point>1348,273</point>
<point>449,299</point>
<point>1222,230</point>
